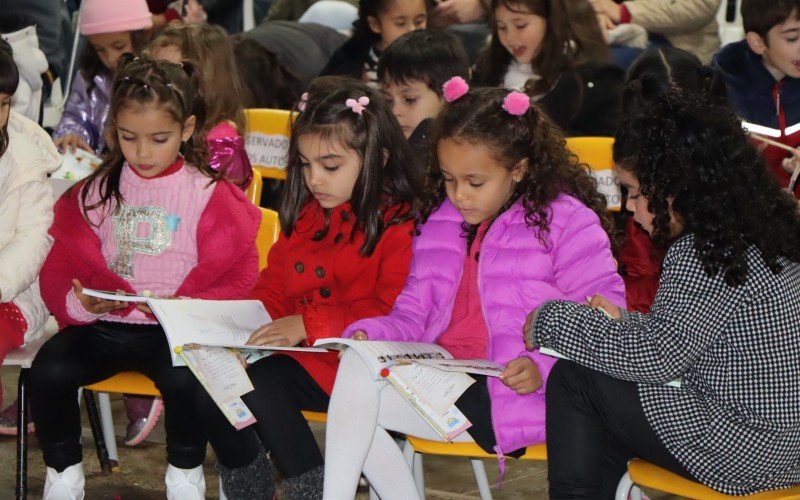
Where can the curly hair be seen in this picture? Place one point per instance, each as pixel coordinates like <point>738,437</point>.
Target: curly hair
<point>387,184</point>
<point>478,117</point>
<point>694,163</point>
<point>175,88</point>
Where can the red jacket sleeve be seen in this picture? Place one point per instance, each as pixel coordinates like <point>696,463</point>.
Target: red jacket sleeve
<point>393,255</point>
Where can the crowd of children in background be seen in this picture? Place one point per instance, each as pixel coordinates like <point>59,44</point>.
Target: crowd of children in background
<point>428,198</point>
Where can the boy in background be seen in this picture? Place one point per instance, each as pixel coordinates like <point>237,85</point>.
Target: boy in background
<point>411,73</point>
<point>762,73</point>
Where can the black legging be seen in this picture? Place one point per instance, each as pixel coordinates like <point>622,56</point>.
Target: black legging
<point>282,389</point>
<point>595,425</point>
<point>82,355</point>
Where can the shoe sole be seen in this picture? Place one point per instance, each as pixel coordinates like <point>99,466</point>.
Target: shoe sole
<point>12,431</point>
<point>152,420</point>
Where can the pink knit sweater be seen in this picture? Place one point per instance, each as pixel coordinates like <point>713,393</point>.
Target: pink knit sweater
<point>152,242</point>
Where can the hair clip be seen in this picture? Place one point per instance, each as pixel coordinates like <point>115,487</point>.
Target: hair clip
<point>357,106</point>
<point>516,103</point>
<point>454,88</point>
<point>168,84</point>
<point>303,102</point>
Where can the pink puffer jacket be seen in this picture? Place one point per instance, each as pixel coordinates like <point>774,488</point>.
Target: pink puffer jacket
<point>516,274</point>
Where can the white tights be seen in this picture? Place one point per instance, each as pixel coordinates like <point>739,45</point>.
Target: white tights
<point>360,413</point>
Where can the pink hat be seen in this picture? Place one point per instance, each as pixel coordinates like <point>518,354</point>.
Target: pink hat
<point>112,16</point>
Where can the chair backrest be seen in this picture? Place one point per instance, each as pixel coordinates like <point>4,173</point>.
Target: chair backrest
<point>267,140</point>
<point>253,192</point>
<point>268,234</point>
<point>596,152</point>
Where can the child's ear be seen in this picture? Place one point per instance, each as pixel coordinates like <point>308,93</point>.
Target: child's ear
<point>755,42</point>
<point>519,170</point>
<point>374,24</point>
<point>188,128</point>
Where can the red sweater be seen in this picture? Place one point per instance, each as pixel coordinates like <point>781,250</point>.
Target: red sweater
<point>329,283</point>
<point>227,258</point>
<point>642,261</point>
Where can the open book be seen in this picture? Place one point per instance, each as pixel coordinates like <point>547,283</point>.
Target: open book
<point>426,375</point>
<point>223,377</point>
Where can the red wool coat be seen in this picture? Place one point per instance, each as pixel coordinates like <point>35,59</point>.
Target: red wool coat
<point>226,253</point>
<point>329,283</point>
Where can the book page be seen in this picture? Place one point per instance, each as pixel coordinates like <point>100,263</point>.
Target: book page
<point>448,425</point>
<point>437,388</point>
<point>378,354</point>
<point>217,323</point>
<point>476,366</point>
<point>121,296</point>
<point>232,406</point>
<point>222,371</point>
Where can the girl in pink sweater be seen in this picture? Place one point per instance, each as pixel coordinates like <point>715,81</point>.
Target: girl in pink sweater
<point>154,217</point>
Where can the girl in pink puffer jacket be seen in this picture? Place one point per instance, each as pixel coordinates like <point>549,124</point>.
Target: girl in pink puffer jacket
<point>509,222</point>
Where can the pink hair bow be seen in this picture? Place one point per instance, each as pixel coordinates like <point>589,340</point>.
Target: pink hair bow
<point>303,102</point>
<point>454,88</point>
<point>516,103</point>
<point>359,105</point>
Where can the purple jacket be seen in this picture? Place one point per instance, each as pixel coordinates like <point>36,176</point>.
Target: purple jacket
<point>516,274</point>
<point>85,114</point>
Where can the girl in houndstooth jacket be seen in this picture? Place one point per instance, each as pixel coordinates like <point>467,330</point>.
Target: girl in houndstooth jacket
<point>724,321</point>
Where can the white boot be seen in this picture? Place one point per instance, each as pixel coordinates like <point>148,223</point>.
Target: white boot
<point>66,485</point>
<point>185,484</point>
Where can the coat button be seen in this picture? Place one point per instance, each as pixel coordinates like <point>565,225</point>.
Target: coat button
<point>338,238</point>
<point>319,235</point>
<point>345,215</point>
<point>324,293</point>
<point>319,272</point>
<point>299,267</point>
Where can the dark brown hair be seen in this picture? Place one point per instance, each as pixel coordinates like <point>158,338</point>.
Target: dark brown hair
<point>760,16</point>
<point>387,180</point>
<point>478,117</point>
<point>9,80</point>
<point>208,48</point>
<point>143,81</point>
<point>572,37</point>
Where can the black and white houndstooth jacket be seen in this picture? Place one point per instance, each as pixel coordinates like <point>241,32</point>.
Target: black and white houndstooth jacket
<point>735,421</point>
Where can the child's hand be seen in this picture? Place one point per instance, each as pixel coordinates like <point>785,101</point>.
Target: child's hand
<point>360,335</point>
<point>194,12</point>
<point>522,375</point>
<point>70,142</point>
<point>93,304</point>
<point>288,331</point>
<point>790,163</point>
<point>527,330</point>
<point>599,302</point>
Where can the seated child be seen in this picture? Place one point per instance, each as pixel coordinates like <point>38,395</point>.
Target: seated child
<point>509,221</point>
<point>379,23</point>
<point>411,73</point>
<point>763,77</point>
<point>209,49</point>
<point>724,320</point>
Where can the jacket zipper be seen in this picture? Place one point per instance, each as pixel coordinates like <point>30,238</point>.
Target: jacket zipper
<point>501,459</point>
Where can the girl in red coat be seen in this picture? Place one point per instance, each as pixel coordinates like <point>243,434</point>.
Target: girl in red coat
<point>152,217</point>
<point>347,220</point>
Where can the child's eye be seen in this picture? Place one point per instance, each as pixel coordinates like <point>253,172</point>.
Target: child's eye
<point>304,165</point>
<point>501,28</point>
<point>331,169</point>
<point>128,138</point>
<point>410,100</point>
<point>476,185</point>
<point>791,40</point>
<point>449,180</point>
<point>160,141</point>
<point>521,26</point>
